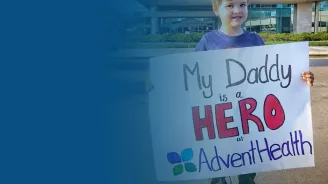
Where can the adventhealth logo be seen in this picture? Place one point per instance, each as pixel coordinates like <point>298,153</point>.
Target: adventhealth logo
<point>183,162</point>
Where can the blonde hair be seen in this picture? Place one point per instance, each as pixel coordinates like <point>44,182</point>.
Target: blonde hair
<point>217,3</point>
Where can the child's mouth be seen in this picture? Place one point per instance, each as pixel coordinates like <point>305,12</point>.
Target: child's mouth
<point>237,17</point>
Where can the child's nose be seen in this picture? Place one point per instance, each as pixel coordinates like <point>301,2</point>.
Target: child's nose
<point>236,9</point>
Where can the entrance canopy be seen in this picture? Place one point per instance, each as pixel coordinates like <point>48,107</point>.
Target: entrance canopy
<point>185,3</point>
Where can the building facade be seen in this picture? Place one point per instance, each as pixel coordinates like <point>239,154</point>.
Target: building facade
<point>271,16</point>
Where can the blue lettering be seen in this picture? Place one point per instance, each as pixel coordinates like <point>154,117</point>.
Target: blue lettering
<point>272,151</point>
<point>295,142</point>
<point>217,160</point>
<point>291,141</point>
<point>262,150</point>
<point>227,164</point>
<point>252,150</point>
<point>303,142</point>
<point>233,160</point>
<point>201,152</point>
<point>249,158</point>
<point>286,144</point>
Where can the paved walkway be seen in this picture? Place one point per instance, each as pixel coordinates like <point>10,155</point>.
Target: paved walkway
<point>318,51</point>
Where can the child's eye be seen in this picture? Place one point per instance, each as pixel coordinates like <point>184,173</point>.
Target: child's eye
<point>242,5</point>
<point>230,6</point>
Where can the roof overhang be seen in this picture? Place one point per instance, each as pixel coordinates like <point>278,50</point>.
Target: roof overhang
<point>183,3</point>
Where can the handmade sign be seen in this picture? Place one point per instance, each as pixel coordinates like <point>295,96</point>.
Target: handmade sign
<point>230,112</point>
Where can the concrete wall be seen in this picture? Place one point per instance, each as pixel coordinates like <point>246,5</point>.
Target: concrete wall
<point>303,17</point>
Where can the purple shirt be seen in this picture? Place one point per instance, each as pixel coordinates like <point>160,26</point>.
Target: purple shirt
<point>216,40</point>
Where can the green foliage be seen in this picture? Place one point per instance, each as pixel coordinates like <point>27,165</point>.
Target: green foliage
<point>311,43</point>
<point>291,37</point>
<point>306,36</point>
<point>195,37</point>
<point>153,38</point>
<point>320,37</point>
<point>172,37</point>
<point>322,43</point>
<point>174,40</point>
<point>270,42</point>
<point>140,45</point>
<point>143,45</point>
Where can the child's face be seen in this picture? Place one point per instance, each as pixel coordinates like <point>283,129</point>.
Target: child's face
<point>233,13</point>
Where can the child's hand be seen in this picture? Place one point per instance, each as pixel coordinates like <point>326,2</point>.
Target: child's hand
<point>308,77</point>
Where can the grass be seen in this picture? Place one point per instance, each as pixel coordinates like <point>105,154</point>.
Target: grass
<point>320,43</point>
<point>143,45</point>
<point>311,43</point>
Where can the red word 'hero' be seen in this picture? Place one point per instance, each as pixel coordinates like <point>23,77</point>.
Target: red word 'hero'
<point>273,113</point>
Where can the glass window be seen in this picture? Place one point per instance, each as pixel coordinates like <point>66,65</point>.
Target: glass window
<point>278,12</point>
<point>268,13</point>
<point>285,24</point>
<point>266,6</point>
<point>268,25</point>
<point>286,12</point>
<point>286,5</point>
<point>323,6</point>
<point>270,18</point>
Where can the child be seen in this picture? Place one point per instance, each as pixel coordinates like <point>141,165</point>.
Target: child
<point>233,13</point>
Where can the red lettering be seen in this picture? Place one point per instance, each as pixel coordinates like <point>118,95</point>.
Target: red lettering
<point>221,121</point>
<point>274,114</point>
<point>246,114</point>
<point>207,123</point>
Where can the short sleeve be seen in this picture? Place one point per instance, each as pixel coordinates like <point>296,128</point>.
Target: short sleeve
<point>257,40</point>
<point>201,45</point>
<point>260,40</point>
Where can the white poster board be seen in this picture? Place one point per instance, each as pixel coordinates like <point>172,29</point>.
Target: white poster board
<point>230,112</point>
